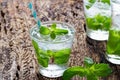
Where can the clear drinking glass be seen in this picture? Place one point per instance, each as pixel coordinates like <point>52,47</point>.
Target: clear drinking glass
<point>53,54</point>
<point>98,18</point>
<point>113,44</point>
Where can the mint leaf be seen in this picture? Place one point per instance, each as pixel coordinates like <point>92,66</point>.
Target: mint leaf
<point>44,30</point>
<point>53,26</point>
<point>62,56</point>
<point>117,51</point>
<point>91,2</point>
<point>102,70</point>
<point>61,31</point>
<point>113,38</point>
<point>36,47</point>
<point>50,53</point>
<point>88,62</point>
<point>92,77</point>
<point>88,6</point>
<point>42,57</point>
<point>61,59</point>
<point>107,23</point>
<point>70,72</point>
<point>52,31</point>
<point>53,35</point>
<point>106,1</point>
<point>99,22</point>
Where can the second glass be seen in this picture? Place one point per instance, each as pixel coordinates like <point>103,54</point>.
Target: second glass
<point>113,44</point>
<point>98,18</point>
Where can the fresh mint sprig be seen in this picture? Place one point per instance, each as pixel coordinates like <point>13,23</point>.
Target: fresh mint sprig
<point>52,31</point>
<point>99,22</point>
<point>91,70</point>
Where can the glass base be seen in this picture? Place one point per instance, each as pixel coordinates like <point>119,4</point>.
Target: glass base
<point>53,71</point>
<point>113,59</point>
<point>97,34</point>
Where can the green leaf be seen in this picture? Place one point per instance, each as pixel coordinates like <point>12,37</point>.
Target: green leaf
<point>53,26</point>
<point>92,77</point>
<point>53,35</point>
<point>52,31</point>
<point>106,1</point>
<point>44,30</point>
<point>107,23</point>
<point>70,72</point>
<point>41,55</point>
<point>114,37</point>
<point>88,62</point>
<point>101,70</point>
<point>61,31</point>
<point>117,51</point>
<point>35,45</point>
<point>99,22</point>
<point>50,53</point>
<point>88,6</point>
<point>43,59</point>
<point>62,56</point>
<point>61,59</point>
<point>90,24</point>
<point>91,3</point>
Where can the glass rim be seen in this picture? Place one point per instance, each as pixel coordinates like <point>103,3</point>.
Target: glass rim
<point>50,22</point>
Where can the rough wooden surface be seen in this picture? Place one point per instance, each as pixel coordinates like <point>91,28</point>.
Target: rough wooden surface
<point>17,59</point>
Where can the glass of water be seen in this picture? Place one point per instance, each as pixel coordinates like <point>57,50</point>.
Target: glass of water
<point>113,44</point>
<point>98,18</point>
<point>53,54</point>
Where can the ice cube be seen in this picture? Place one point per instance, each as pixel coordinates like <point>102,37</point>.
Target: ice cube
<point>116,20</point>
